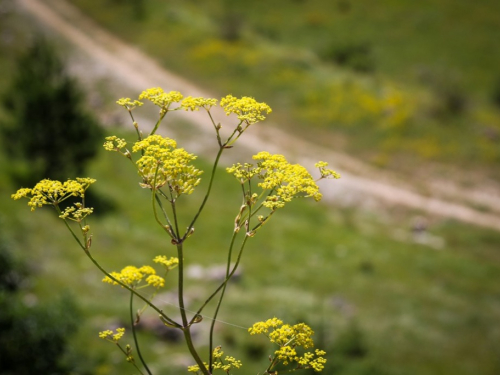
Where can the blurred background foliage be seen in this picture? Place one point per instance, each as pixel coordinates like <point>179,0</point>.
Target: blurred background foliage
<point>34,337</point>
<point>395,83</point>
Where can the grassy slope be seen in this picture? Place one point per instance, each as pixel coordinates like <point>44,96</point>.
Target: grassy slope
<point>420,310</point>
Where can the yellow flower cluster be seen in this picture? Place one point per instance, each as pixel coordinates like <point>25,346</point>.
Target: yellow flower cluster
<point>52,192</point>
<point>160,98</point>
<point>243,172</point>
<point>113,143</point>
<point>247,109</point>
<point>282,179</point>
<point>324,171</point>
<point>133,276</point>
<point>194,104</point>
<point>288,338</point>
<point>225,364</point>
<point>263,327</point>
<point>129,103</point>
<point>76,212</point>
<point>112,336</point>
<point>163,163</point>
<point>169,264</point>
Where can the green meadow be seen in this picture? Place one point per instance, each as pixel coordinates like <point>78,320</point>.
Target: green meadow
<point>381,299</point>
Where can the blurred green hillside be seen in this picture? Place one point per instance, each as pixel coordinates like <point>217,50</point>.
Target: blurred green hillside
<point>396,83</point>
<point>382,298</point>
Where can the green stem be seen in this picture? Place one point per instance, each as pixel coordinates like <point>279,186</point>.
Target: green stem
<point>139,137</point>
<point>176,223</point>
<point>212,325</point>
<point>155,197</point>
<point>214,168</point>
<point>162,208</point>
<point>132,323</point>
<point>219,140</point>
<point>185,326</point>
<point>162,115</point>
<point>132,361</point>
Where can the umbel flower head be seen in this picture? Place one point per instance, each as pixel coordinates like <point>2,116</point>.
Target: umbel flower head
<point>53,192</point>
<point>289,338</point>
<point>194,104</point>
<point>129,103</point>
<point>246,108</point>
<point>157,96</point>
<point>225,364</point>
<point>163,164</point>
<point>112,336</point>
<point>133,276</point>
<point>282,181</point>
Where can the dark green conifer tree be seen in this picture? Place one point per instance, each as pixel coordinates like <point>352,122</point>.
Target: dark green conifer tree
<point>47,133</point>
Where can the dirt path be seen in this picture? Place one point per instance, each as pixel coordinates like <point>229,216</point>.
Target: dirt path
<point>359,184</point>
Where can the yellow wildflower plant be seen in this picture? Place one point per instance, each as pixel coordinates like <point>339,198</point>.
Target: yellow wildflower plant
<point>289,338</point>
<point>268,183</point>
<point>247,109</point>
<point>53,192</point>
<point>163,164</point>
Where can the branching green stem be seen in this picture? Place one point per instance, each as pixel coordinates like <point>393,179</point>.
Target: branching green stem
<point>87,252</point>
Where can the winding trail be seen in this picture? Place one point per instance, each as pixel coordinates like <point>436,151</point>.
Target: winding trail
<point>359,182</point>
